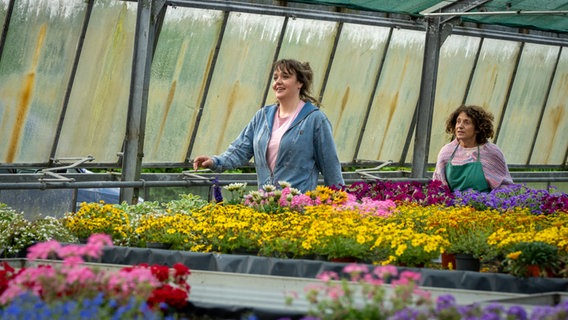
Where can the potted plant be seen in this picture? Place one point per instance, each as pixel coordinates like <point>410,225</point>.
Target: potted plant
<point>165,230</point>
<point>18,233</point>
<point>470,248</point>
<point>342,248</point>
<point>99,217</point>
<point>535,259</point>
<point>408,247</point>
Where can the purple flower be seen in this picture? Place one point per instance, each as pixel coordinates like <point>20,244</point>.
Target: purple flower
<point>217,190</point>
<point>517,312</point>
<point>445,302</point>
<point>406,314</point>
<point>431,193</point>
<point>492,312</point>
<point>542,312</point>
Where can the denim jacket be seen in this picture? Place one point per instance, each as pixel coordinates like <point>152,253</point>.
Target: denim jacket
<point>306,149</point>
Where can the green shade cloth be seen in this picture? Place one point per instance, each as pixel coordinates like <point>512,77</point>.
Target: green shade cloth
<point>549,22</point>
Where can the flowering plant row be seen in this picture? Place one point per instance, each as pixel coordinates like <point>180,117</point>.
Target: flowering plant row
<point>383,293</point>
<point>72,289</point>
<point>383,222</point>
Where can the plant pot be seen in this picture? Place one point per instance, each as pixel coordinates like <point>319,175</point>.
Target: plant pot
<point>467,262</point>
<point>158,245</point>
<point>411,265</point>
<point>536,271</point>
<point>448,261</point>
<point>343,259</point>
<point>245,251</point>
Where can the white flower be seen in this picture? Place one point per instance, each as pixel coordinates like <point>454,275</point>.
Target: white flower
<point>295,192</point>
<point>284,184</point>
<point>268,187</point>
<point>236,186</point>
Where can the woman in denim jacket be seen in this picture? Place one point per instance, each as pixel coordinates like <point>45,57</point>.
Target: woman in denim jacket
<point>291,141</point>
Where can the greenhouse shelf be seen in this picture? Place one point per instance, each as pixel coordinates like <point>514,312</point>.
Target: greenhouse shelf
<point>237,285</point>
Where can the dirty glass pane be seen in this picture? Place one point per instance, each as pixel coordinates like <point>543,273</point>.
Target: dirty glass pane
<point>95,121</point>
<point>552,140</point>
<point>528,95</point>
<point>457,58</point>
<point>395,98</point>
<point>351,82</point>
<point>493,75</point>
<point>34,74</point>
<point>240,77</point>
<point>181,64</point>
<point>3,9</point>
<point>309,41</point>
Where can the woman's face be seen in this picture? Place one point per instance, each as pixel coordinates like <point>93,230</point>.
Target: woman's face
<point>465,129</point>
<point>285,85</point>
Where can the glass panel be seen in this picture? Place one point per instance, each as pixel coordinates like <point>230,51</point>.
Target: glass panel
<point>3,11</point>
<point>96,116</point>
<point>239,80</point>
<point>181,64</point>
<point>351,82</point>
<point>309,41</point>
<point>34,71</point>
<point>493,75</point>
<point>395,99</point>
<point>526,102</point>
<point>457,57</point>
<point>552,140</point>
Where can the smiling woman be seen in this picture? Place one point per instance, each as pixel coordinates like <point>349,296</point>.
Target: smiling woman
<point>290,141</point>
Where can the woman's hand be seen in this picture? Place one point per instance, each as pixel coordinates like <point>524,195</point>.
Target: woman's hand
<point>202,162</point>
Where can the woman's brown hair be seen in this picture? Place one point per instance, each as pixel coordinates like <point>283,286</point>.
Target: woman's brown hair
<point>304,74</point>
<point>482,121</point>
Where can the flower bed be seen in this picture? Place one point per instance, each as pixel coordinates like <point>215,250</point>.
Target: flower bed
<point>399,223</point>
<point>70,289</point>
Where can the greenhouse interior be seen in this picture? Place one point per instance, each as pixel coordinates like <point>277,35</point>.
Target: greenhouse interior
<point>104,105</point>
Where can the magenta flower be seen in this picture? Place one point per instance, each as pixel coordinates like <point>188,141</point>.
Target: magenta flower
<point>385,272</point>
<point>328,276</point>
<point>43,250</point>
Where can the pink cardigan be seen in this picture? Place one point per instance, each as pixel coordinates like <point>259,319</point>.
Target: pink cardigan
<point>492,160</point>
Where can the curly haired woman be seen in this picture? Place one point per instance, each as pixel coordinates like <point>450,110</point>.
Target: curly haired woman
<point>470,161</point>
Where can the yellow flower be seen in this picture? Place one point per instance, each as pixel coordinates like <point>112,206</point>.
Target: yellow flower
<point>514,255</point>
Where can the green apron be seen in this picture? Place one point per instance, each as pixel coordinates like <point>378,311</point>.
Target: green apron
<point>466,176</point>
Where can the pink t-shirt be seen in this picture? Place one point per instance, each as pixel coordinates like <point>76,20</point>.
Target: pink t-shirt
<point>278,129</point>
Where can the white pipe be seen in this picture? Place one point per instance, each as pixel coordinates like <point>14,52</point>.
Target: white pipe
<point>517,12</point>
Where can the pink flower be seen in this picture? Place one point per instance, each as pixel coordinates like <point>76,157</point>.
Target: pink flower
<point>406,277</point>
<point>283,202</point>
<point>43,249</point>
<point>100,239</point>
<point>410,275</point>
<point>328,276</point>
<point>335,292</point>
<point>69,251</point>
<point>73,261</point>
<point>384,272</point>
<point>370,279</point>
<point>79,275</point>
<point>355,270</point>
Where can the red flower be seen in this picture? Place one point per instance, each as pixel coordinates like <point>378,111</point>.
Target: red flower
<point>162,273</point>
<point>181,270</point>
<point>174,297</point>
<point>175,290</point>
<point>6,274</point>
